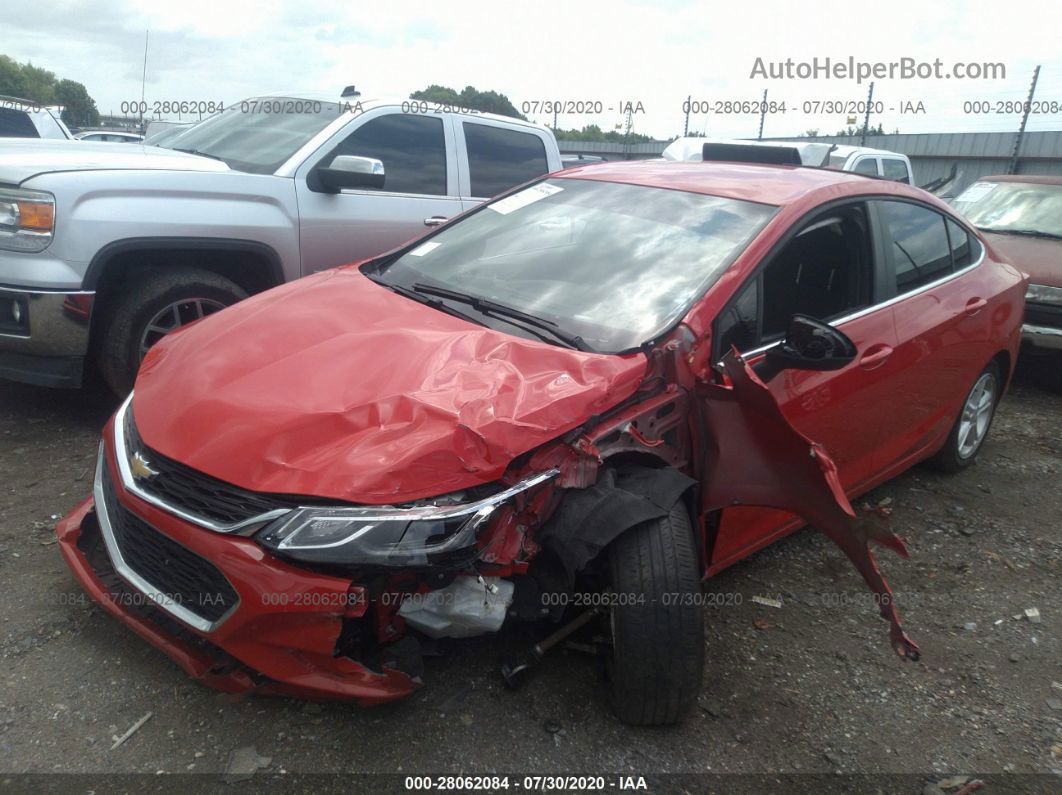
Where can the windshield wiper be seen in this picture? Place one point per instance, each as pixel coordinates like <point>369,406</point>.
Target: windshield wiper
<point>201,154</point>
<point>1000,230</point>
<point>420,298</point>
<point>490,308</point>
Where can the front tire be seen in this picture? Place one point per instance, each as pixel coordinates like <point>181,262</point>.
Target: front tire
<point>151,305</point>
<point>657,657</point>
<point>973,423</point>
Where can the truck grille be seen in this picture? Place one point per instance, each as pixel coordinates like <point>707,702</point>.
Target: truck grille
<point>189,580</point>
<point>196,493</point>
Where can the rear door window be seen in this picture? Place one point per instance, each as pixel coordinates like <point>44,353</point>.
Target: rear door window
<point>896,169</point>
<point>16,124</point>
<point>919,244</point>
<point>499,158</point>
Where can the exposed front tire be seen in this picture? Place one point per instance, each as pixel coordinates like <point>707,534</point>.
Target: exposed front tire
<point>972,425</point>
<point>151,305</point>
<point>657,655</point>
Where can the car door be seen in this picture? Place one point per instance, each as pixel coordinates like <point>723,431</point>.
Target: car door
<point>420,188</point>
<point>944,323</point>
<point>494,157</point>
<point>831,269</point>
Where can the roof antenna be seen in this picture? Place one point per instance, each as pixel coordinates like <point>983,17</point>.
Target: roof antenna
<point>350,91</point>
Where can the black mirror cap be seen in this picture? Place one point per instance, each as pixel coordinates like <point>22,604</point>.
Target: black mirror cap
<point>333,180</point>
<point>811,344</point>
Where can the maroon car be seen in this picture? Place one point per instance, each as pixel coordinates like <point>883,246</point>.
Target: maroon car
<point>1022,218</point>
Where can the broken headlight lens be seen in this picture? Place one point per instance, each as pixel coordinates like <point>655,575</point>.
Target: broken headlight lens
<point>432,535</point>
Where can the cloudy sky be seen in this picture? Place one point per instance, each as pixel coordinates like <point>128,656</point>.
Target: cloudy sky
<point>653,53</point>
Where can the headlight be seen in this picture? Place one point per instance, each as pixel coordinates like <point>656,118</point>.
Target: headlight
<point>430,535</point>
<point>1042,294</point>
<point>27,219</point>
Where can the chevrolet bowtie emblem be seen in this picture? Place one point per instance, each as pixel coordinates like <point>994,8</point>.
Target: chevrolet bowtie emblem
<point>141,469</point>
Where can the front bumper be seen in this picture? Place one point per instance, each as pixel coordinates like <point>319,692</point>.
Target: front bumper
<point>279,637</point>
<point>44,335</point>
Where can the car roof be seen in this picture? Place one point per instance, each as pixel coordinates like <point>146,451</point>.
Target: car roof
<point>1043,179</point>
<point>767,184</point>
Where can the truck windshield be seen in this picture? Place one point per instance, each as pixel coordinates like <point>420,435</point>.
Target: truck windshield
<point>257,135</point>
<point>1019,207</point>
<point>613,264</point>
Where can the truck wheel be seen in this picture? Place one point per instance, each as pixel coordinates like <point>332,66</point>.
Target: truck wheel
<point>657,653</point>
<point>149,307</point>
<point>972,424</point>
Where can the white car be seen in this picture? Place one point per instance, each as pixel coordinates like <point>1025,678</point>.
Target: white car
<point>841,157</point>
<point>23,118</point>
<point>111,136</point>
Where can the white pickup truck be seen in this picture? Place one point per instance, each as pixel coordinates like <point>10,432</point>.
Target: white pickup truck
<point>105,248</point>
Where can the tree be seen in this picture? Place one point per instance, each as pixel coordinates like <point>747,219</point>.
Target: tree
<point>485,101</point>
<point>12,84</point>
<point>79,109</point>
<point>854,131</point>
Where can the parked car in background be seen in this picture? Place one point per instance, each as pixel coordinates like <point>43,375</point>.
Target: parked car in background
<point>22,118</point>
<point>571,161</point>
<point>842,157</point>
<point>543,410</point>
<point>1021,215</point>
<point>112,247</point>
<point>110,136</point>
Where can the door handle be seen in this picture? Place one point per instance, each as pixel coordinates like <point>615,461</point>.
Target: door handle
<point>975,305</point>
<point>875,356</point>
<point>435,220</point>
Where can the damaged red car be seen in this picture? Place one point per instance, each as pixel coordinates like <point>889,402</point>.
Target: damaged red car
<point>570,406</point>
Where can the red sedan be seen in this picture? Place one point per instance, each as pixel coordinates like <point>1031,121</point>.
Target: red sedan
<point>569,405</point>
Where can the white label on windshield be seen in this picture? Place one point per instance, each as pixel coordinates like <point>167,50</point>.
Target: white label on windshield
<point>424,248</point>
<point>976,192</point>
<point>523,198</point>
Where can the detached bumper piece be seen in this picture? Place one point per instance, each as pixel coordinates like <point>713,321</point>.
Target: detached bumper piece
<point>1043,326</point>
<point>224,611</point>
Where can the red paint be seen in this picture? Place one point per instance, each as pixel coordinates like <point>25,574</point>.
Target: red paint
<point>335,387</point>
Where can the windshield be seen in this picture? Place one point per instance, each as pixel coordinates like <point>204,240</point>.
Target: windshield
<point>614,264</point>
<point>258,135</point>
<point>1013,206</point>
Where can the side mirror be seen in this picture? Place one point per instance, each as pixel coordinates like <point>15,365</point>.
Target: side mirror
<point>810,344</point>
<point>350,171</point>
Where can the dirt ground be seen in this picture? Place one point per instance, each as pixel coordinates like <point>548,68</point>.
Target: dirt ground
<point>811,687</point>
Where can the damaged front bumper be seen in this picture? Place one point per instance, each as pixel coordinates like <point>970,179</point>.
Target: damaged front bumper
<point>220,607</point>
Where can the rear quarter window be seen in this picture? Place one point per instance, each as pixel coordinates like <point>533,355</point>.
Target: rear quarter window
<point>896,169</point>
<point>16,124</point>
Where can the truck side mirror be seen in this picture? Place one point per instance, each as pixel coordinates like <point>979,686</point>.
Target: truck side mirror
<point>810,344</point>
<point>349,171</point>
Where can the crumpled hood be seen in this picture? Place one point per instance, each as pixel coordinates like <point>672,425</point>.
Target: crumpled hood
<point>333,386</point>
<point>21,159</point>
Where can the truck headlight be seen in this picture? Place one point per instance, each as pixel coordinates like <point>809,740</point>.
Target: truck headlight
<point>417,536</point>
<point>27,219</point>
<point>1042,294</point>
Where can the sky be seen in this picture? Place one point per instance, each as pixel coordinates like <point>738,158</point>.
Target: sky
<point>650,54</point>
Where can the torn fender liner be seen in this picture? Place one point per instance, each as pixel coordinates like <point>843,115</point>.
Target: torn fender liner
<point>756,457</point>
<point>587,520</point>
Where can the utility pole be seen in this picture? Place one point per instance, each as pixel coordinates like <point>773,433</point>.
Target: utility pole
<point>866,117</point>
<point>1013,169</point>
<point>686,128</point>
<point>763,112</point>
<point>627,133</point>
<point>554,118</point>
<point>143,82</point>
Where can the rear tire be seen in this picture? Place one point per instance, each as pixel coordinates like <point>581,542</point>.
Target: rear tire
<point>657,657</point>
<point>973,423</point>
<point>150,304</point>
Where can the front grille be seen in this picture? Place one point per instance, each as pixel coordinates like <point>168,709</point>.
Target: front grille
<point>189,580</point>
<point>196,493</point>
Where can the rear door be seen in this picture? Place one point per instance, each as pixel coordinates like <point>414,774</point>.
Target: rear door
<point>495,156</point>
<point>833,270</point>
<point>944,323</point>
<point>420,188</point>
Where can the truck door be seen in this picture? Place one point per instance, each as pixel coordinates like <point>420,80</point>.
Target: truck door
<point>494,156</point>
<point>420,188</point>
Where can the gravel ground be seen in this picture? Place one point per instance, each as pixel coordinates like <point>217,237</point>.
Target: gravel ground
<point>808,688</point>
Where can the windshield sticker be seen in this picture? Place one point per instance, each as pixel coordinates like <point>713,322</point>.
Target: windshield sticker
<point>977,191</point>
<point>424,248</point>
<point>523,198</point>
